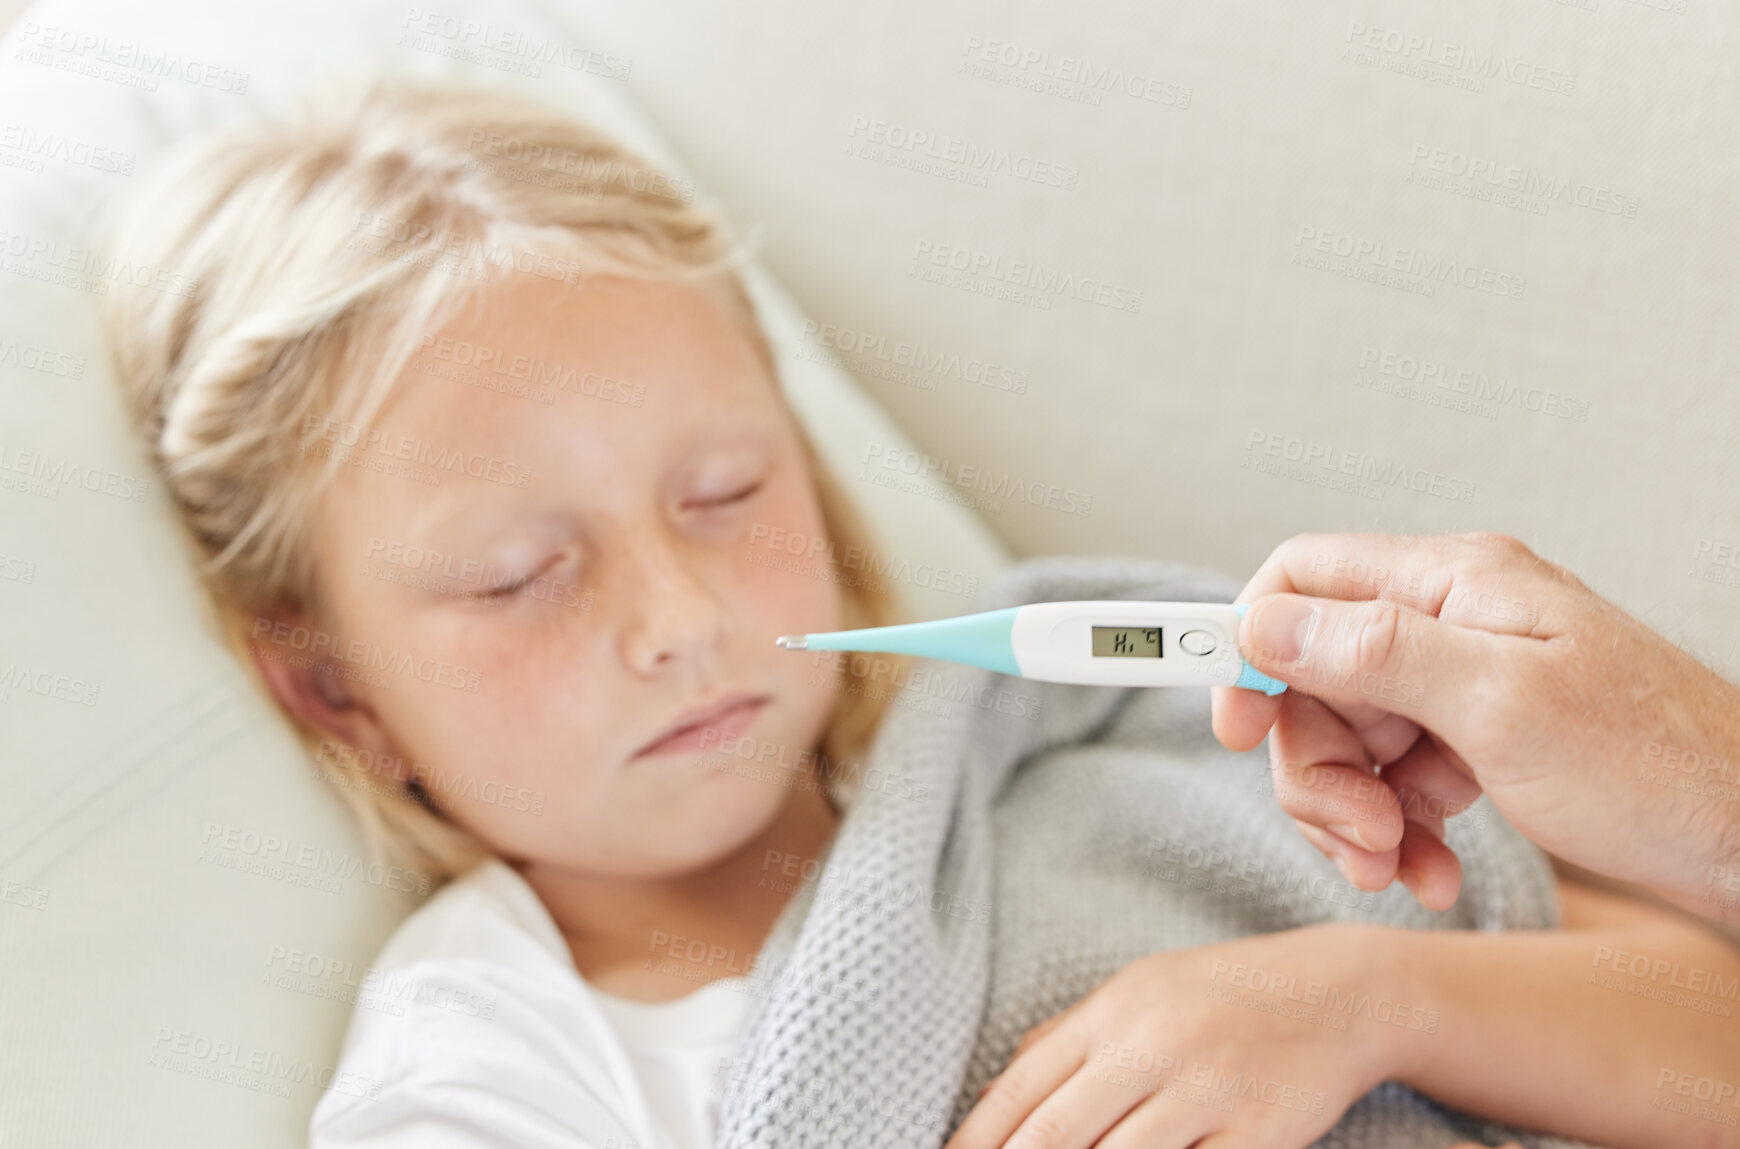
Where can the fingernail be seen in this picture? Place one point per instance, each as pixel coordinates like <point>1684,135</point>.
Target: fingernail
<point>1349,833</point>
<point>1409,879</point>
<point>1341,864</point>
<point>1283,628</point>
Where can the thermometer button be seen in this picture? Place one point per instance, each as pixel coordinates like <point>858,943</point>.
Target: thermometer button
<point>1198,642</point>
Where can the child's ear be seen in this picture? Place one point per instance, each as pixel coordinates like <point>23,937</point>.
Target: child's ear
<point>313,690</point>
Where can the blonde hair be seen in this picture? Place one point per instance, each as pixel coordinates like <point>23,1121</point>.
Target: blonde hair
<point>267,307</point>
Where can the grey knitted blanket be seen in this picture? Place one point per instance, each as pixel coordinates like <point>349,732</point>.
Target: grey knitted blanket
<point>1013,845</point>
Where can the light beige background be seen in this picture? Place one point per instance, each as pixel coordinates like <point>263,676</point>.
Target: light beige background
<point>1635,321</point>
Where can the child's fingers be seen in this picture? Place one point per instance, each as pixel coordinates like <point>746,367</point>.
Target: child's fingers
<point>1162,1123</point>
<point>1025,1084</point>
<point>1037,1032</point>
<point>1080,1114</point>
<point>1027,1041</point>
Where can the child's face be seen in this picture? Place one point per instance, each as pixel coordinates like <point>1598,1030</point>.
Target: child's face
<point>633,525</point>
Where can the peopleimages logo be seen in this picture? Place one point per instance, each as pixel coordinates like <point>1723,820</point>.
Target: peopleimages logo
<point>1524,181</point>
<point>1465,60</point>
<point>1360,251</point>
<point>487,360</point>
<point>39,146</point>
<point>1358,466</point>
<point>821,548</point>
<point>477,579</point>
<point>317,430</point>
<point>51,475</point>
<point>969,155</point>
<point>15,676</point>
<point>1044,283</point>
<point>121,61</point>
<point>864,345</point>
<point>1067,72</point>
<point>313,645</point>
<point>460,37</point>
<point>224,839</point>
<point>33,358</point>
<point>982,480</point>
<point>1477,386</point>
<point>85,268</point>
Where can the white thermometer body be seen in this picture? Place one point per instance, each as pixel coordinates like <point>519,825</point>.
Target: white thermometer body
<point>1102,642</point>
<point>1116,643</point>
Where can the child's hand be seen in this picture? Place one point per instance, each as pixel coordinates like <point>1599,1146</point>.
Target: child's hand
<point>1261,1041</point>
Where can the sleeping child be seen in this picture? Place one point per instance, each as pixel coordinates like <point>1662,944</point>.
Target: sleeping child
<point>481,449</point>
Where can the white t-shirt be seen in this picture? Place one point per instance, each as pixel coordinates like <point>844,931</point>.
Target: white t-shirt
<point>475,1029</point>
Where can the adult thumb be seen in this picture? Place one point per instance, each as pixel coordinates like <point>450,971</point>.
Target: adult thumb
<point>1374,651</point>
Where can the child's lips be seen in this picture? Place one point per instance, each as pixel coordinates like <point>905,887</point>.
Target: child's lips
<point>729,718</point>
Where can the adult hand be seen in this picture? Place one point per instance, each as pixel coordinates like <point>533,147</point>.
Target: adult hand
<point>1425,670</point>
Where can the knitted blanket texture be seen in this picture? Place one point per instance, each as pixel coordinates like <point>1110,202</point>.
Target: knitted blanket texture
<point>1013,844</point>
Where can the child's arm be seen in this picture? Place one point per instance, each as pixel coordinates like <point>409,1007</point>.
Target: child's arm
<point>1268,1039</point>
<point>1619,1029</point>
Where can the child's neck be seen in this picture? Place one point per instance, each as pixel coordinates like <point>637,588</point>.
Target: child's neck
<point>656,940</point>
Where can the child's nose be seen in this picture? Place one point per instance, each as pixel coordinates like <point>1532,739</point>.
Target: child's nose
<point>673,612</point>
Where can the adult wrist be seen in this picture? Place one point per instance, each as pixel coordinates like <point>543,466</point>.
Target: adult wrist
<point>1701,762</point>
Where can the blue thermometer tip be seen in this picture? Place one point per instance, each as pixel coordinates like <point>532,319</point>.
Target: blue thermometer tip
<point>1249,676</point>
<point>971,639</point>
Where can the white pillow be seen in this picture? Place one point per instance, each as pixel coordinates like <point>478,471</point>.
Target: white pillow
<point>185,910</point>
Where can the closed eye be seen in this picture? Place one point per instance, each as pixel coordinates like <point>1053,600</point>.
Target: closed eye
<point>735,497</point>
<point>505,590</point>
<point>515,585</point>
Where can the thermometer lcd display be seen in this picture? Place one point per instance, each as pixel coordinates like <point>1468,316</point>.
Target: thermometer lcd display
<point>1126,641</point>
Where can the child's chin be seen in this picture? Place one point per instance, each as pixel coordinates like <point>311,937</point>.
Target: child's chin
<point>723,818</point>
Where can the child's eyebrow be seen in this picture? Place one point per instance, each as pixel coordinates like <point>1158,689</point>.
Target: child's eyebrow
<point>456,512</point>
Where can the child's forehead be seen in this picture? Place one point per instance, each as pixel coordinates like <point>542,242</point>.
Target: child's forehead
<point>532,372</point>
<point>600,311</point>
<point>640,346</point>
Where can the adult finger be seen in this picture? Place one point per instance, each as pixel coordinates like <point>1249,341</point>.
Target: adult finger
<point>1430,788</point>
<point>1428,867</point>
<point>1386,736</point>
<point>1323,777</point>
<point>1481,581</point>
<point>1430,783</point>
<point>1241,718</point>
<point>1383,654</point>
<point>1363,869</point>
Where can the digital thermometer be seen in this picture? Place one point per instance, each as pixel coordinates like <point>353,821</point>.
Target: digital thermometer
<point>1097,643</point>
